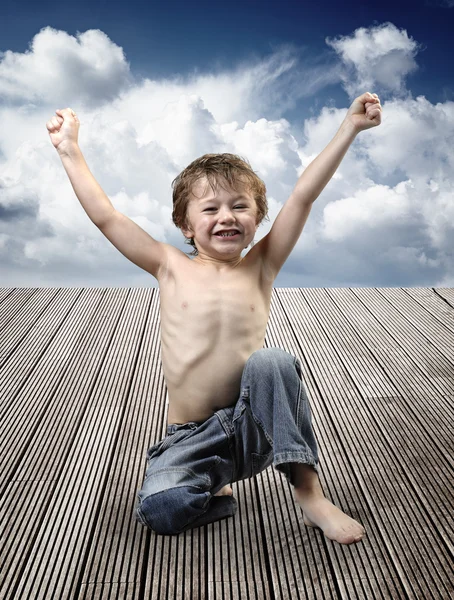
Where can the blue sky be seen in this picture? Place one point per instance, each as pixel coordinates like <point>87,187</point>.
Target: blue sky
<point>165,38</point>
<point>187,36</point>
<point>279,71</point>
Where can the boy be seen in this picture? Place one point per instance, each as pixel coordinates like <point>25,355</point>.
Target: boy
<point>234,407</point>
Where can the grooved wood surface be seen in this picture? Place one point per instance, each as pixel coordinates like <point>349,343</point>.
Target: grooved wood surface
<point>82,397</point>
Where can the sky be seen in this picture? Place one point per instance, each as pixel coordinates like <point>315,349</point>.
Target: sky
<point>157,85</point>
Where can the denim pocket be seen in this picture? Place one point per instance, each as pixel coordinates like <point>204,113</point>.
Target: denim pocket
<point>165,443</point>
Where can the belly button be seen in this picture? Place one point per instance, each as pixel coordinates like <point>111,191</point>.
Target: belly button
<point>252,307</point>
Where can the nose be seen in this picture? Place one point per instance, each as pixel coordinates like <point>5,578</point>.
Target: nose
<point>226,216</point>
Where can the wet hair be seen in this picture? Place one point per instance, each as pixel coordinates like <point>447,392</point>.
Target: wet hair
<point>218,169</point>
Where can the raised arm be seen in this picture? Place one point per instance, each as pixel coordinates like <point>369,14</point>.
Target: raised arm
<point>130,239</point>
<point>276,246</point>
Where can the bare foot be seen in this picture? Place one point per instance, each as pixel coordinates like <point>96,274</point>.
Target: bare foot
<point>335,524</point>
<point>225,491</point>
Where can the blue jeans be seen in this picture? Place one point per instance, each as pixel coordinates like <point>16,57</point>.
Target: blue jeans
<point>270,423</point>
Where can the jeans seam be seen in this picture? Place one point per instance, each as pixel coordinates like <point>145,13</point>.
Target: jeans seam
<point>139,516</point>
<point>298,407</point>
<point>268,439</point>
<point>300,384</point>
<point>205,508</point>
<point>188,471</point>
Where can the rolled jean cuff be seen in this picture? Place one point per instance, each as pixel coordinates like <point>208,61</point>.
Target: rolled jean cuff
<point>218,507</point>
<point>283,459</point>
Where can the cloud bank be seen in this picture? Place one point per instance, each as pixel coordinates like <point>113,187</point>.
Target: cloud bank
<point>59,68</point>
<point>381,56</point>
<point>385,219</point>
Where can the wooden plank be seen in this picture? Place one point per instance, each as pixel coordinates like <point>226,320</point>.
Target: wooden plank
<point>397,372</point>
<point>235,547</point>
<point>434,304</point>
<point>297,559</point>
<point>12,302</point>
<point>39,426</point>
<point>436,332</point>
<point>83,395</point>
<point>220,590</point>
<point>27,335</point>
<point>336,478</point>
<point>117,551</point>
<point>164,574</point>
<point>406,330</point>
<point>108,591</point>
<point>33,315</point>
<point>398,422</point>
<point>429,475</point>
<point>79,489</point>
<point>355,433</point>
<point>22,510</point>
<point>42,363</point>
<point>299,565</point>
<point>6,292</point>
<point>446,293</point>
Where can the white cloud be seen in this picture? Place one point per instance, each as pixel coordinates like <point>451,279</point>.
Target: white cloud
<point>378,57</point>
<point>269,86</point>
<point>364,231</point>
<point>384,219</point>
<point>58,67</point>
<point>370,210</point>
<point>415,136</point>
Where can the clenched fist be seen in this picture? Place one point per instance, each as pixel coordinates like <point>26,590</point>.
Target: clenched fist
<point>365,112</point>
<point>63,129</point>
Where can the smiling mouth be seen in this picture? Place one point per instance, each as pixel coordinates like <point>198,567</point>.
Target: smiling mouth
<point>227,236</point>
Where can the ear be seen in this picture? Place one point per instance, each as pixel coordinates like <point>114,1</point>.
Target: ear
<point>187,232</point>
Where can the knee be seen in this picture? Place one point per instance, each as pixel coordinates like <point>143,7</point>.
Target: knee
<point>269,359</point>
<point>171,511</point>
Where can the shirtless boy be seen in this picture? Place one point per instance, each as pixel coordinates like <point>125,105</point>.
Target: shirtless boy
<point>234,406</point>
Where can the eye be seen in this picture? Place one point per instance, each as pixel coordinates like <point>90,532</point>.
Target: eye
<point>212,208</point>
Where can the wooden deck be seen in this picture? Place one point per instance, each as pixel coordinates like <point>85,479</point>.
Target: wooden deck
<point>82,397</point>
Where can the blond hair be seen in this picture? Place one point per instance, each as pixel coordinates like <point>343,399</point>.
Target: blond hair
<point>236,171</point>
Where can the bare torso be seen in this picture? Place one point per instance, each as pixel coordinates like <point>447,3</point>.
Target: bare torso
<point>211,323</point>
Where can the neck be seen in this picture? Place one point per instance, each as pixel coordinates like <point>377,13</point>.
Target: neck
<point>218,264</point>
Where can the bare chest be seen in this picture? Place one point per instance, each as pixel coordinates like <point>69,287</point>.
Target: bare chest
<point>201,308</point>
<point>211,323</point>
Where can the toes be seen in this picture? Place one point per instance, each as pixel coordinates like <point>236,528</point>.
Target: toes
<point>225,491</point>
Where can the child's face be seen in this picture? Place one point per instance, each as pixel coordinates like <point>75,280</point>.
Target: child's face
<point>209,213</point>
